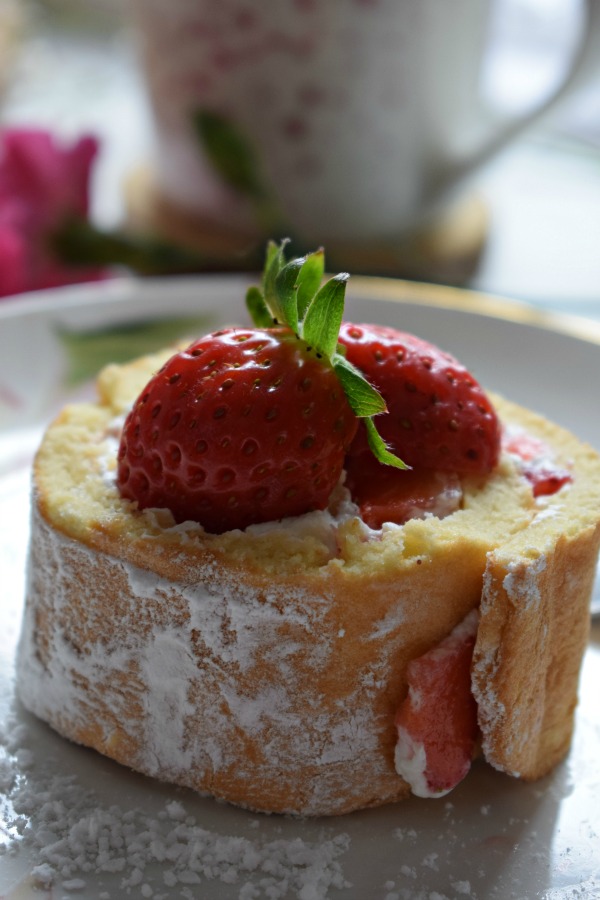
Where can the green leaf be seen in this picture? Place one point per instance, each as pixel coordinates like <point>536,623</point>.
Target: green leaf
<point>366,402</point>
<point>256,306</point>
<point>274,265</point>
<point>309,280</point>
<point>363,398</point>
<point>323,318</point>
<point>88,351</point>
<point>272,251</point>
<point>286,287</point>
<point>378,446</point>
<point>292,297</point>
<point>79,243</point>
<point>230,152</point>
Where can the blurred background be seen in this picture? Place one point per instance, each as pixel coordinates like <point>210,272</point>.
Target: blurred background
<point>525,225</point>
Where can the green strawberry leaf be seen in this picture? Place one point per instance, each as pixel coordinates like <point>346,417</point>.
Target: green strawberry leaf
<point>379,448</point>
<point>321,325</point>
<point>273,301</point>
<point>309,280</point>
<point>286,286</point>
<point>364,399</point>
<point>272,250</point>
<point>256,306</point>
<point>229,152</point>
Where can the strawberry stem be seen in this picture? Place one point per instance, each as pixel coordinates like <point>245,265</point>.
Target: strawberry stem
<point>292,296</point>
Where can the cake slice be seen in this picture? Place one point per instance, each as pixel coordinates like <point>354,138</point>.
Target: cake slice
<point>266,664</point>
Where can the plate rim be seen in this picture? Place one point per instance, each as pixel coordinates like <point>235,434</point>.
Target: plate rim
<point>394,290</point>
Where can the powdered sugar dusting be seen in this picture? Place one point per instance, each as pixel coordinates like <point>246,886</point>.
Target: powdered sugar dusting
<point>76,839</point>
<point>197,683</point>
<point>491,710</point>
<point>521,583</point>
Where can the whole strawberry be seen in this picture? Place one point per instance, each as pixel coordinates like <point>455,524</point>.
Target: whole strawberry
<point>252,424</point>
<point>439,416</point>
<point>244,426</point>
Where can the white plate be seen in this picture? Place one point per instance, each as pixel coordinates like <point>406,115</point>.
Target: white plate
<point>106,832</point>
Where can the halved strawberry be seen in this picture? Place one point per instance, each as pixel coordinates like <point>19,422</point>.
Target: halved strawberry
<point>437,722</point>
<point>439,416</point>
<point>384,494</point>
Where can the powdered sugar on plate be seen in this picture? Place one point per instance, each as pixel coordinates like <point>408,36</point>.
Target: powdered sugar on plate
<point>74,837</point>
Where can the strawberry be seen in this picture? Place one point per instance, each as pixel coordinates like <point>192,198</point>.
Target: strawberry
<point>252,424</point>
<point>384,494</point>
<point>439,416</point>
<point>244,426</point>
<point>537,463</point>
<point>437,722</point>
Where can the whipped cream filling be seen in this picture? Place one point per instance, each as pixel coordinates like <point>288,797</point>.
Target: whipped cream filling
<point>410,760</point>
<point>322,525</point>
<point>535,460</point>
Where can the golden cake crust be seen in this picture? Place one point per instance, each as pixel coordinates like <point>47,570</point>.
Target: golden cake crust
<point>264,667</point>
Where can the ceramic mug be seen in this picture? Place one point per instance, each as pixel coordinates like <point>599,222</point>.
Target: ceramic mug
<point>335,120</point>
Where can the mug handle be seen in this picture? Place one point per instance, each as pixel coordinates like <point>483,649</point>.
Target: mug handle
<point>584,66</point>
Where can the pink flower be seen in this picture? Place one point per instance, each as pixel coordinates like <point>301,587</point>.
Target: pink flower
<point>42,186</point>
